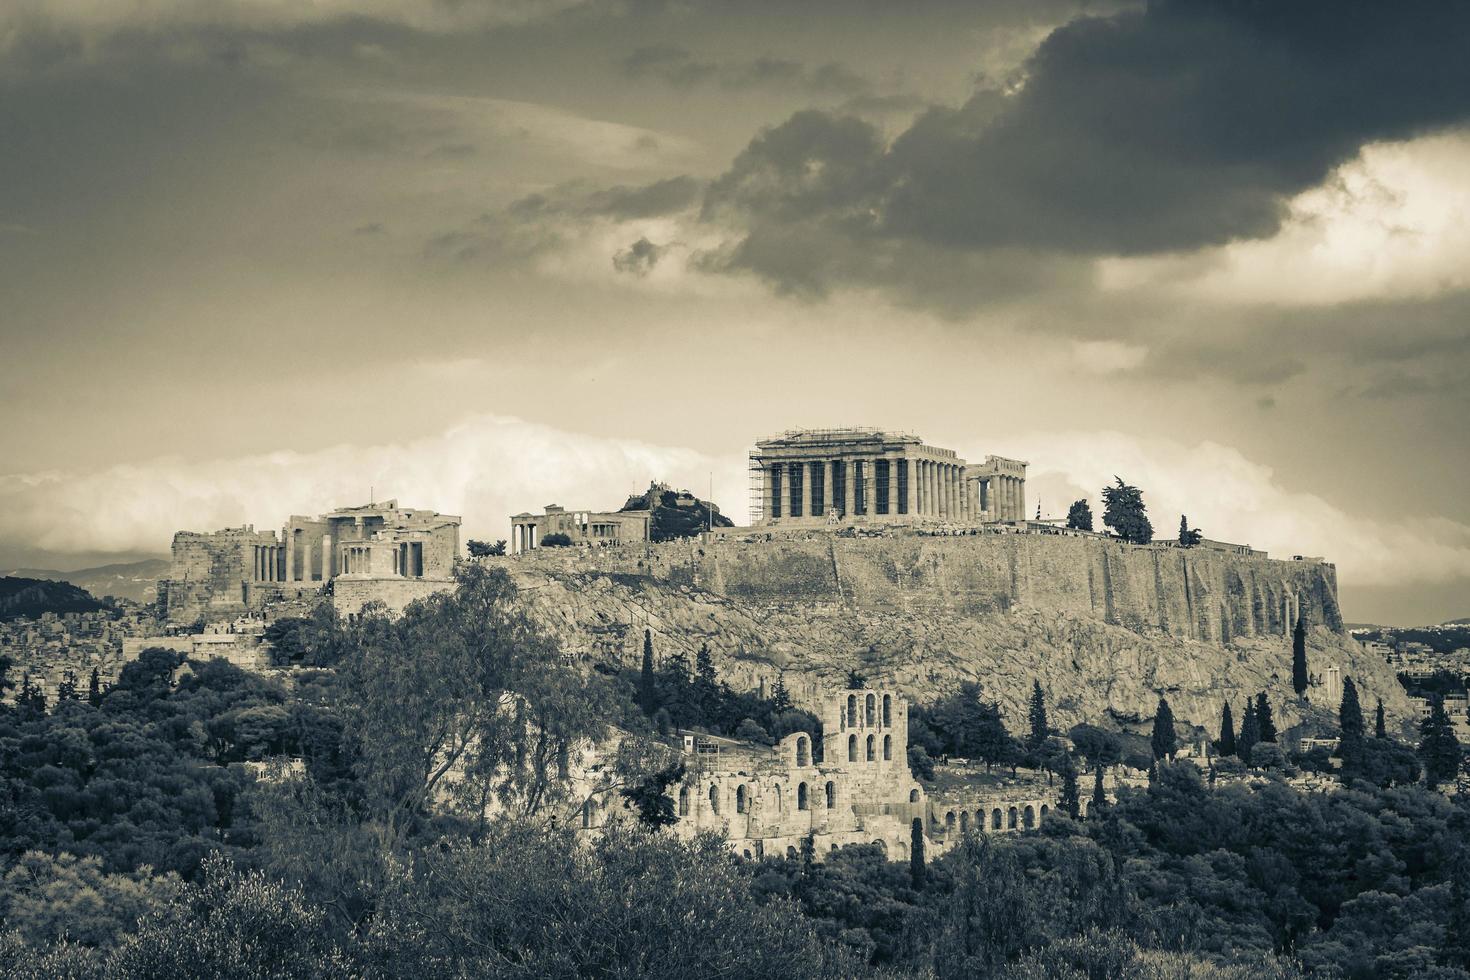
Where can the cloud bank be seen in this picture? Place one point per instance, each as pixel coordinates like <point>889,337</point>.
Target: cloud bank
<point>484,469</point>
<point>1232,498</point>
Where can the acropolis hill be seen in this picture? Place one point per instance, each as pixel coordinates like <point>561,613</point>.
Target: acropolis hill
<point>1103,625</point>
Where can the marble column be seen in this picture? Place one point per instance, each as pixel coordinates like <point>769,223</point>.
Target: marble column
<point>806,486</point>
<point>765,492</point>
<point>849,488</point>
<point>826,487</point>
<point>931,485</point>
<point>326,558</point>
<point>892,486</point>
<point>870,488</point>
<point>1021,498</point>
<point>911,491</point>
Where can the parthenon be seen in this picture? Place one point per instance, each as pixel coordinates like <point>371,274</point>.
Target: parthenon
<point>862,474</point>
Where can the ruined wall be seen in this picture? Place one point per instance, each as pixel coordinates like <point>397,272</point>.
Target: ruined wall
<point>209,573</point>
<point>350,594</point>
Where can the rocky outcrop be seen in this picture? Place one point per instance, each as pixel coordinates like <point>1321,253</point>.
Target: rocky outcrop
<point>1104,627</point>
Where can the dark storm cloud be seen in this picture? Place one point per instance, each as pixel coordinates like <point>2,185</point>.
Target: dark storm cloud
<point>1187,124</point>
<point>678,66</point>
<point>639,258</point>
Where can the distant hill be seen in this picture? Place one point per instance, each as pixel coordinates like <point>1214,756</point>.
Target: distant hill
<point>30,597</point>
<point>676,513</point>
<point>1462,621</point>
<point>136,580</point>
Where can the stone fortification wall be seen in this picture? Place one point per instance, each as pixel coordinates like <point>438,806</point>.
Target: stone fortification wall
<point>1198,594</point>
<point>350,593</point>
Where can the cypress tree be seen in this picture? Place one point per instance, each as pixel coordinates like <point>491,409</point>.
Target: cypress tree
<point>1265,724</point>
<point>1039,727</point>
<point>1379,730</point>
<point>94,689</point>
<point>780,697</point>
<point>1099,798</point>
<point>1299,676</point>
<point>1439,750</point>
<point>1226,745</point>
<point>1350,712</point>
<point>1250,733</point>
<point>647,682</point>
<point>1165,741</point>
<point>917,870</point>
<point>1069,800</point>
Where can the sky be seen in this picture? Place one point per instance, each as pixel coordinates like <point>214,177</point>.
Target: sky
<point>267,257</point>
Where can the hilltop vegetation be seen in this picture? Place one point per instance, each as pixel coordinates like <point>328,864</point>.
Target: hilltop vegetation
<point>31,597</point>
<point>676,513</point>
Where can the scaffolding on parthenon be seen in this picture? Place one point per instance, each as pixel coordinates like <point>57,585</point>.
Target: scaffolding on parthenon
<point>757,488</point>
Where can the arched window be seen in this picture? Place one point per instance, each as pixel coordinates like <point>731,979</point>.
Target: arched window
<point>683,801</point>
<point>979,821</point>
<point>831,795</point>
<point>995,819</point>
<point>803,752</point>
<point>913,796</point>
<point>887,748</point>
<point>740,798</point>
<point>869,717</point>
<point>852,748</point>
<point>778,797</point>
<point>714,798</point>
<point>791,854</point>
<point>949,822</point>
<point>881,846</point>
<point>964,821</point>
<point>852,711</point>
<point>801,796</point>
<point>872,748</point>
<point>1044,811</point>
<point>887,710</point>
<point>1011,819</point>
<point>1028,818</point>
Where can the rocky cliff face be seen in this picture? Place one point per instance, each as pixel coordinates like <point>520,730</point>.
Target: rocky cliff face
<point>1104,627</point>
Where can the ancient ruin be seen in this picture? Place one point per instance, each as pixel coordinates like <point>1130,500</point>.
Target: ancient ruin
<point>825,476</point>
<point>407,552</point>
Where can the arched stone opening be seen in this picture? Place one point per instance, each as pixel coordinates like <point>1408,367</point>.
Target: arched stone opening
<point>913,796</point>
<point>852,748</point>
<point>964,821</point>
<point>714,799</point>
<point>803,752</point>
<point>831,794</point>
<point>791,854</point>
<point>683,801</point>
<point>801,802</point>
<point>740,798</point>
<point>852,711</point>
<point>872,749</point>
<point>887,710</point>
<point>1011,818</point>
<point>887,748</point>
<point>777,797</point>
<point>869,711</point>
<point>1044,811</point>
<point>995,819</point>
<point>1028,817</point>
<point>949,822</point>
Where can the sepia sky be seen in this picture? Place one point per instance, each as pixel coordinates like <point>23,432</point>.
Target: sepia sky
<point>262,257</point>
